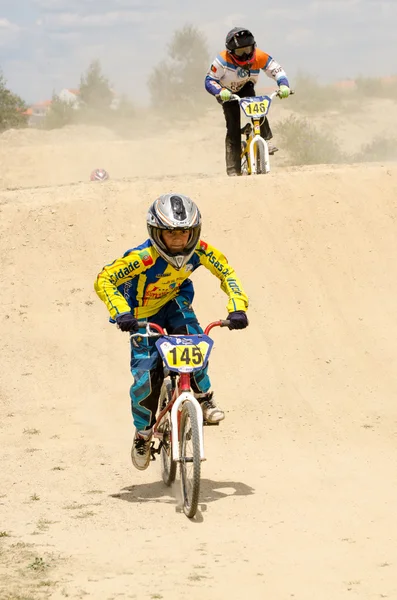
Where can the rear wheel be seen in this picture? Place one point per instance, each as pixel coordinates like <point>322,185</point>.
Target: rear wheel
<point>190,460</point>
<point>244,159</point>
<point>168,466</point>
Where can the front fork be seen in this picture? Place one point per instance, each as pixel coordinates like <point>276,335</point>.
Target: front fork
<point>184,395</point>
<point>252,150</point>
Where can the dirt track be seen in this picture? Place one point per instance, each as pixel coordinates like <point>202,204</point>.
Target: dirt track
<point>300,486</point>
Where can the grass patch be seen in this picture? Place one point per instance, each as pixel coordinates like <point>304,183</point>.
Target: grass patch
<point>32,431</point>
<point>306,145</point>
<point>38,564</point>
<point>45,583</point>
<point>381,148</point>
<point>12,596</point>
<point>196,577</point>
<point>85,515</point>
<point>43,524</point>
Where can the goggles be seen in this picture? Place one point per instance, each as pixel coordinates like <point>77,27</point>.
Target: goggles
<point>244,51</point>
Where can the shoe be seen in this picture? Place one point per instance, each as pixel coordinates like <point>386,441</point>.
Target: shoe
<point>140,451</point>
<point>211,412</point>
<point>272,148</point>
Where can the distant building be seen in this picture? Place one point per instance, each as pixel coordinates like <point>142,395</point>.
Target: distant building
<point>345,84</point>
<point>391,80</point>
<point>72,96</point>
<point>37,112</point>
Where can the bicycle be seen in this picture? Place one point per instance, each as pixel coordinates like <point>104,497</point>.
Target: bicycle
<point>179,422</point>
<point>254,148</point>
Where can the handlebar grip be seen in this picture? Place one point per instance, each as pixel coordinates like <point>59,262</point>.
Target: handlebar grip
<point>142,323</point>
<point>225,323</point>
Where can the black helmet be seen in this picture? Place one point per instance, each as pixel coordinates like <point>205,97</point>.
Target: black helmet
<point>174,211</point>
<point>241,44</point>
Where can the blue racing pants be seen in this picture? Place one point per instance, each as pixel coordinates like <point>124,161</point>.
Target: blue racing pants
<point>146,365</point>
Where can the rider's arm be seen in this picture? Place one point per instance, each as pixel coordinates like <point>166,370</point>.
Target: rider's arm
<point>272,68</point>
<point>186,290</point>
<point>217,263</point>
<point>214,76</point>
<point>114,276</point>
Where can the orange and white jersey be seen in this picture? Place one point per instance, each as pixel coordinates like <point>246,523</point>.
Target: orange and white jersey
<point>223,73</point>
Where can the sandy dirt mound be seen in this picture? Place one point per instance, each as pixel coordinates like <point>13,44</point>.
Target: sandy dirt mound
<point>299,489</point>
<point>155,146</point>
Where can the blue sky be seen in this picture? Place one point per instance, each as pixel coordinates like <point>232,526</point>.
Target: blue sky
<point>45,45</point>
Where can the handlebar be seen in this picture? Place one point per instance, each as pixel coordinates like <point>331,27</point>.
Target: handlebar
<point>159,331</point>
<point>271,96</point>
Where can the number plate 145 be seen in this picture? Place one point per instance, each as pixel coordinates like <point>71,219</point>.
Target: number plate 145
<point>185,354</point>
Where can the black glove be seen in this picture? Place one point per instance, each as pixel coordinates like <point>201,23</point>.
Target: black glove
<point>127,322</point>
<point>238,320</point>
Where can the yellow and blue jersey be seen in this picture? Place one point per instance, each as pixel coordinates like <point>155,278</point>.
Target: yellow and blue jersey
<point>142,282</point>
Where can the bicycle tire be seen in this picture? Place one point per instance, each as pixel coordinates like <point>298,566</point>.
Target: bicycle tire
<point>244,164</point>
<point>260,161</point>
<point>168,466</point>
<point>190,477</point>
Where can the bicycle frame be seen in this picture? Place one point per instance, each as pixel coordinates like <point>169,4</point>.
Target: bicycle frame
<point>181,394</point>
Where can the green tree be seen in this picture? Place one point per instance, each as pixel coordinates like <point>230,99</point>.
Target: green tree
<point>125,109</point>
<point>178,80</point>
<point>61,113</point>
<point>95,91</point>
<point>12,108</point>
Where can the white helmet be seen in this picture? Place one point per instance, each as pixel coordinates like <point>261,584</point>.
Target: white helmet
<point>174,211</point>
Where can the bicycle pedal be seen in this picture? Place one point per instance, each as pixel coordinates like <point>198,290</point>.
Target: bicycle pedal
<point>246,130</point>
<point>153,451</point>
<point>207,424</point>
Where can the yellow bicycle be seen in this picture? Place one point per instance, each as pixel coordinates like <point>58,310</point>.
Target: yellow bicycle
<point>254,149</point>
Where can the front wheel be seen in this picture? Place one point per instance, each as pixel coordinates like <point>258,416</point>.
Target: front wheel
<point>168,466</point>
<point>260,161</point>
<point>190,459</point>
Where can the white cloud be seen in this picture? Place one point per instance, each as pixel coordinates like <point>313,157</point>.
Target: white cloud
<point>63,4</point>
<point>300,37</point>
<point>335,5</point>
<point>9,33</point>
<point>65,36</point>
<point>89,5</point>
<point>108,19</point>
<point>6,25</point>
